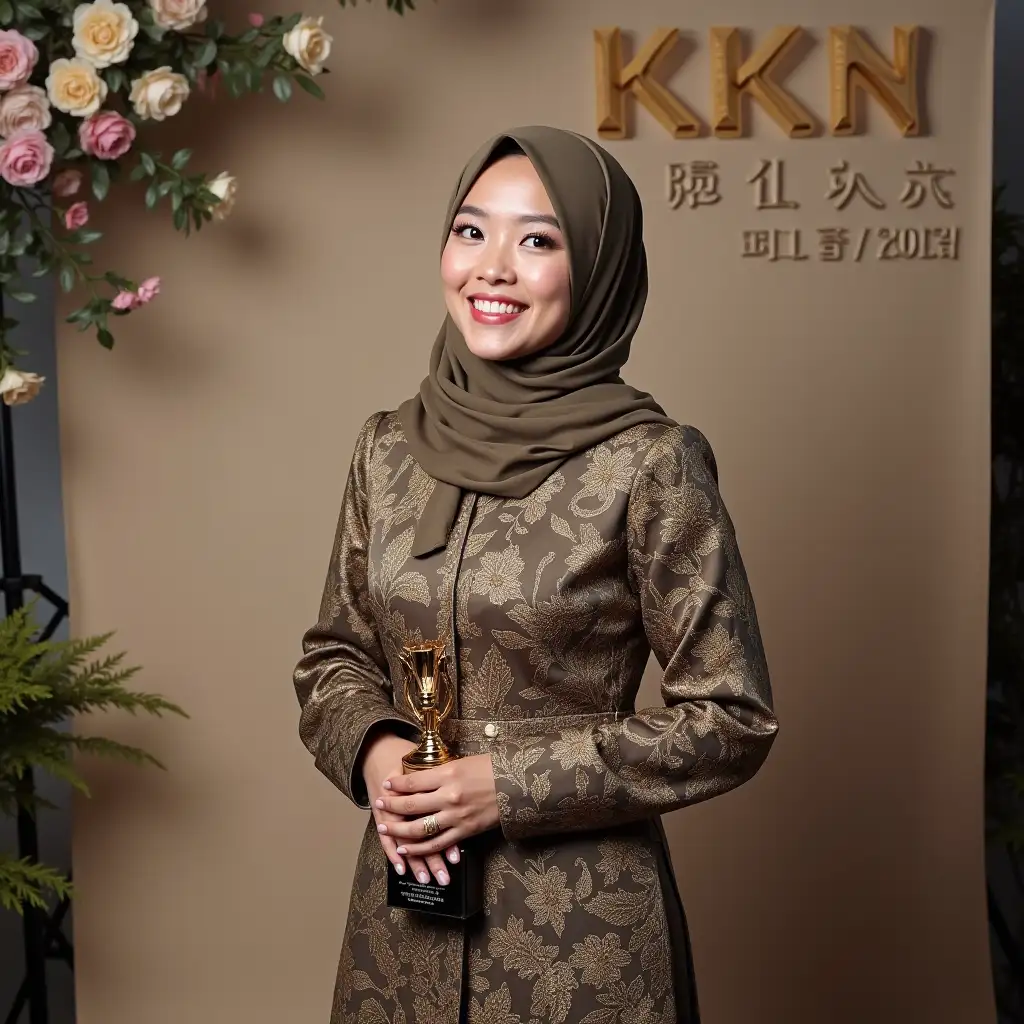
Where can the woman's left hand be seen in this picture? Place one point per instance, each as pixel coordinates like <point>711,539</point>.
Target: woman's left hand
<point>460,794</point>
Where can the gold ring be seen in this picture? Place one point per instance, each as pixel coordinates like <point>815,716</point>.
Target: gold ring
<point>430,825</point>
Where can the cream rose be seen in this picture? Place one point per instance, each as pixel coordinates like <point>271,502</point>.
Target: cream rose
<point>19,386</point>
<point>178,14</point>
<point>104,32</point>
<point>159,94</point>
<point>225,188</point>
<point>74,87</point>
<point>309,44</point>
<point>24,107</point>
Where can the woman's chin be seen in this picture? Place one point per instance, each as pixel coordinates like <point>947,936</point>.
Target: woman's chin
<point>494,348</point>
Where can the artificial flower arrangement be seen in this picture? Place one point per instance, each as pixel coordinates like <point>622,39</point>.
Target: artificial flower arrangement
<point>80,86</point>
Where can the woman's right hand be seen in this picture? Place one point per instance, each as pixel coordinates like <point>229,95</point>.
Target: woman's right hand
<point>382,758</point>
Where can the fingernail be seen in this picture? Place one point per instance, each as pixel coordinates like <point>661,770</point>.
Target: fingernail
<point>442,877</point>
<point>399,867</point>
<point>387,785</point>
<point>423,877</point>
<point>378,803</point>
<point>382,828</point>
<point>453,857</point>
<point>402,849</point>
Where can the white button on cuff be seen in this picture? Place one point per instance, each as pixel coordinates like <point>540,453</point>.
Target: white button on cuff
<point>490,729</point>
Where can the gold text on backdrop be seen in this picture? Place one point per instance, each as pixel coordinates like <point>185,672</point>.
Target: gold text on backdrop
<point>854,64</point>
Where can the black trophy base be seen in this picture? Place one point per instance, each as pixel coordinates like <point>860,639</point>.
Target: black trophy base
<point>461,898</point>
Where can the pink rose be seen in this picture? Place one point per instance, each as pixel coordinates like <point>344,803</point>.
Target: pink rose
<point>25,106</point>
<point>106,135</point>
<point>25,158</point>
<point>67,183</point>
<point>148,290</point>
<point>77,216</point>
<point>125,300</point>
<point>18,57</point>
<point>256,19</point>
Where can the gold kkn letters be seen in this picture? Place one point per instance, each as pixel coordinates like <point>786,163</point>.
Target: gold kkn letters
<point>854,64</point>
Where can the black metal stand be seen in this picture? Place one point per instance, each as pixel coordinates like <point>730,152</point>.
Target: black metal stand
<point>42,935</point>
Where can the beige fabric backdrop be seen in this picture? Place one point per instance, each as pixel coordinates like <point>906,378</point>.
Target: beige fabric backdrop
<point>204,461</point>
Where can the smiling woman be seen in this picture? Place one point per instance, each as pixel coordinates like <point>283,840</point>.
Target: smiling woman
<point>555,527</point>
<point>506,263</point>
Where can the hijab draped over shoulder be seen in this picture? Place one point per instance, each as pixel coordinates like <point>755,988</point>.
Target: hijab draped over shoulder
<point>502,427</point>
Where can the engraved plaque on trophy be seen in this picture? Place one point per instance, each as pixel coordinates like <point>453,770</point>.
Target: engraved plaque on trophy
<point>429,693</point>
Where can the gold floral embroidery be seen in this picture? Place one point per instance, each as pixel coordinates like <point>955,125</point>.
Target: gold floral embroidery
<point>559,599</point>
<point>499,577</point>
<point>608,474</point>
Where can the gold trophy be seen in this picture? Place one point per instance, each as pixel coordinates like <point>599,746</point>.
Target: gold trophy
<point>429,692</point>
<point>425,666</point>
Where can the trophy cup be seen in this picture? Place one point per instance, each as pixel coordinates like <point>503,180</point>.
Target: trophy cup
<point>427,684</point>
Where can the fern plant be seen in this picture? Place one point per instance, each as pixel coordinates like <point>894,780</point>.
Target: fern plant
<point>43,684</point>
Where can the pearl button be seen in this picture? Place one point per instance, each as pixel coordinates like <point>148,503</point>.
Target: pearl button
<point>490,729</point>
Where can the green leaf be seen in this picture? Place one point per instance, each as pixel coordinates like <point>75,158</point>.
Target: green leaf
<point>148,163</point>
<point>152,195</point>
<point>5,243</point>
<point>60,137</point>
<point>23,883</point>
<point>104,337</point>
<point>138,173</point>
<point>214,29</point>
<point>6,12</point>
<point>180,218</point>
<point>67,278</point>
<point>88,236</point>
<point>116,79</point>
<point>283,88</point>
<point>205,54</point>
<point>310,86</point>
<point>100,180</point>
<point>181,158</point>
<point>28,11</point>
<point>20,296</point>
<point>21,245</point>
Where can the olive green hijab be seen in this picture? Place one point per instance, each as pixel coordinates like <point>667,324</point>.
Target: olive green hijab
<point>502,427</point>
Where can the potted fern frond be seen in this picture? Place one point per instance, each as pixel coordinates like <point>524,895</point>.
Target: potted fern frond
<point>44,685</point>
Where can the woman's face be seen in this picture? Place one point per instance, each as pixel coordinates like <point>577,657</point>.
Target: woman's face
<point>505,268</point>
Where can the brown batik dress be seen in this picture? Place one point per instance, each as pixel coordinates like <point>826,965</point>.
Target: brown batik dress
<point>557,600</point>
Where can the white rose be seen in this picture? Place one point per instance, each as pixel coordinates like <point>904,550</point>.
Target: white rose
<point>159,94</point>
<point>104,32</point>
<point>24,107</point>
<point>225,188</point>
<point>74,87</point>
<point>19,386</point>
<point>309,44</point>
<point>178,14</point>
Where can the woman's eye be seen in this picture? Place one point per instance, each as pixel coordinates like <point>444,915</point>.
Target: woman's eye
<point>467,231</point>
<point>538,241</point>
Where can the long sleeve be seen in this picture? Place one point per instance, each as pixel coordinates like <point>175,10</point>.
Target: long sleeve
<point>342,681</point>
<point>698,616</point>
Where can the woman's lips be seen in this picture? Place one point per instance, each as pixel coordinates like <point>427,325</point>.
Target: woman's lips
<point>493,319</point>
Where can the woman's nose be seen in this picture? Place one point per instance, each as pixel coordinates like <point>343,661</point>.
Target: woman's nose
<point>496,266</point>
